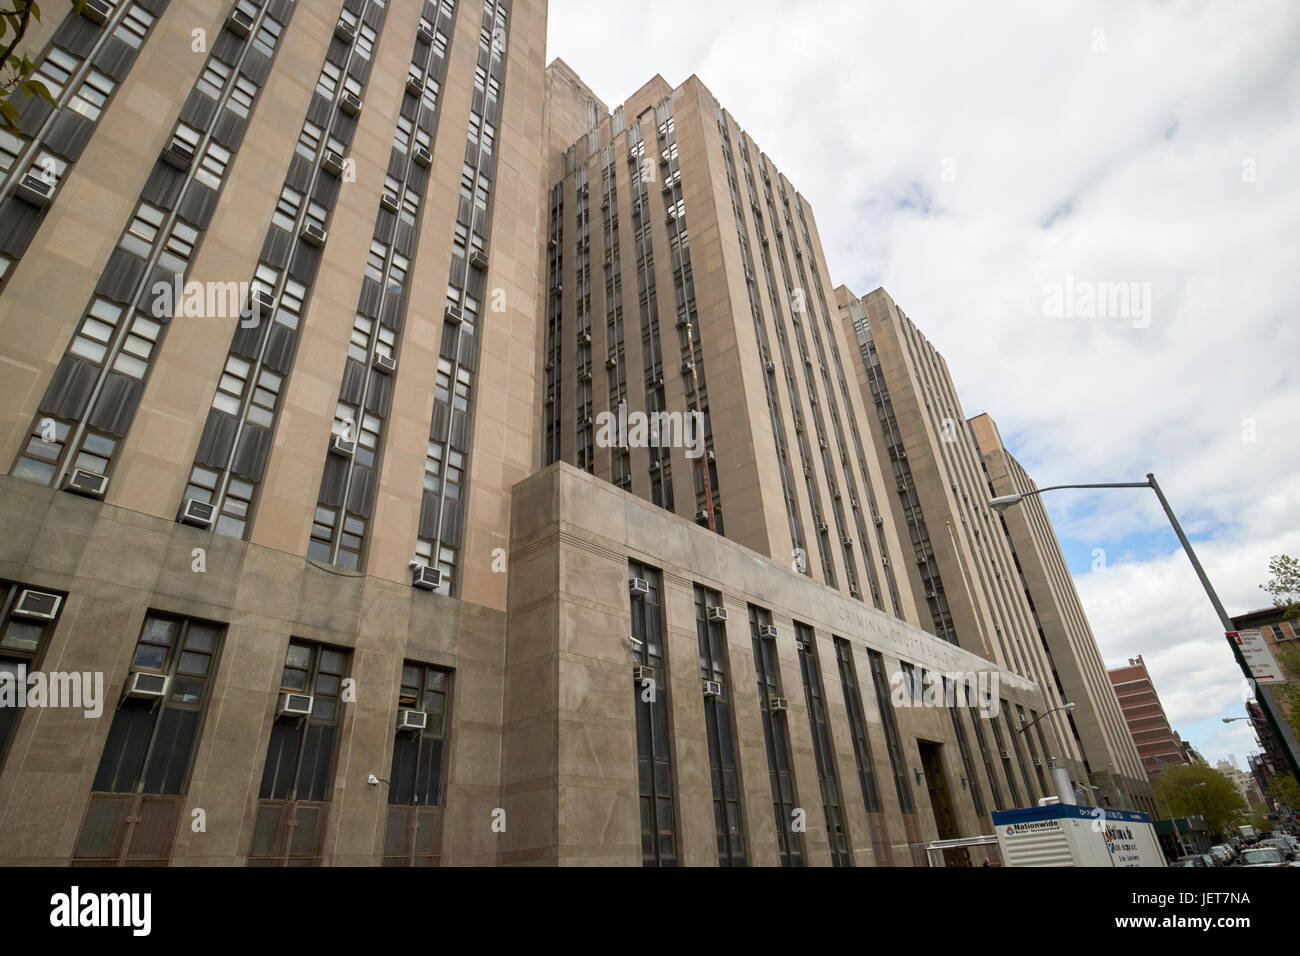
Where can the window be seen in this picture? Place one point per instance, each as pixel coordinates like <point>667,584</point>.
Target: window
<point>823,746</point>
<point>1006,758</point>
<point>365,41</point>
<point>92,95</point>
<point>893,744</point>
<point>45,445</point>
<point>57,69</point>
<point>133,360</point>
<point>180,246</point>
<point>777,737</point>
<point>213,78</point>
<point>297,777</point>
<point>650,697</point>
<point>242,96</point>
<point>329,80</point>
<point>857,725</point>
<point>309,140</point>
<point>968,765</point>
<point>986,757</point>
<point>286,210</point>
<point>213,166</point>
<point>718,725</point>
<point>22,645</point>
<point>300,755</point>
<point>265,39</point>
<point>418,758</point>
<point>10,147</point>
<point>135,24</point>
<point>151,743</point>
<point>92,339</point>
<point>142,232</point>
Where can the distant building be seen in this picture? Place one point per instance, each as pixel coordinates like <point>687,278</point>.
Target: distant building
<point>1156,741</point>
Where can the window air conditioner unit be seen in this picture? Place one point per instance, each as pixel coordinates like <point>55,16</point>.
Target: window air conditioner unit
<point>717,613</point>
<point>97,11</point>
<point>668,186</point>
<point>778,705</point>
<point>586,421</point>
<point>240,24</point>
<point>384,363</point>
<point>1006,755</point>
<point>611,362</point>
<point>37,605</point>
<point>345,31</point>
<point>624,481</point>
<point>655,465</point>
<point>478,260</point>
<point>585,376</point>
<point>422,156</point>
<point>779,233</point>
<point>411,721</point>
<point>262,302</point>
<point>350,103</point>
<point>846,540</point>
<point>878,520</point>
<point>341,446</point>
<point>642,672</point>
<point>550,243</point>
<point>712,688</point>
<point>87,483</point>
<point>294,705</point>
<point>425,578</point>
<point>702,516</point>
<point>639,586</point>
<point>1038,761</point>
<point>604,204</point>
<point>332,162</point>
<point>414,84</point>
<point>312,234</point>
<point>454,315</point>
<point>425,33</point>
<point>34,191</point>
<point>178,155</point>
<point>197,513</point>
<point>584,338</point>
<point>687,367</point>
<point>822,526</point>
<point>884,562</point>
<point>144,684</point>
<point>767,631</point>
<point>389,201</point>
<point>769,366</point>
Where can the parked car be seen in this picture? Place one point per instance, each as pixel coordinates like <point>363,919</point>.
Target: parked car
<point>1195,859</point>
<point>1283,846</point>
<point>1261,856</point>
<point>1222,854</point>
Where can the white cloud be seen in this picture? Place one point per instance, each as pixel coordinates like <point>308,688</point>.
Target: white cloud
<point>1136,157</point>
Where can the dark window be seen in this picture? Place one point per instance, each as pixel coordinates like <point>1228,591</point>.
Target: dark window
<point>1006,757</point>
<point>977,798</point>
<point>1039,758</point>
<point>136,799</point>
<point>653,739</point>
<point>857,725</point>
<point>724,770</point>
<point>777,737</point>
<point>419,755</point>
<point>297,779</point>
<point>823,747</point>
<point>892,741</point>
<point>1017,745</point>
<point>152,741</point>
<point>23,639</point>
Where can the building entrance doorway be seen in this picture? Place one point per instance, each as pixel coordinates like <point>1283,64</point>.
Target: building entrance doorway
<point>937,785</point>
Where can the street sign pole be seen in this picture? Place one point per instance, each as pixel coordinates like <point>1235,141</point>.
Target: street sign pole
<point>1276,721</point>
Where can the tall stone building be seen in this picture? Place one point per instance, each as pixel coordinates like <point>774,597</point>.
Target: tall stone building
<point>1156,741</point>
<point>349,193</point>
<point>322,326</point>
<point>1097,724</point>
<point>962,569</point>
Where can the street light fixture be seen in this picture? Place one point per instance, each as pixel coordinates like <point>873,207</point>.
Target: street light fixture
<point>1067,706</point>
<point>1280,727</point>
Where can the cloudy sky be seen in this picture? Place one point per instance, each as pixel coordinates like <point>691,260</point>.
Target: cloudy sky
<point>976,158</point>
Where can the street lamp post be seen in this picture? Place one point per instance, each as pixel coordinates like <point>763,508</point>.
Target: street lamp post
<point>1280,727</point>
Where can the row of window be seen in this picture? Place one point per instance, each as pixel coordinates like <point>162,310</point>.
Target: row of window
<point>149,752</point>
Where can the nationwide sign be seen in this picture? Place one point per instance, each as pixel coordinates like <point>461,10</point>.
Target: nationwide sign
<point>1258,656</point>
